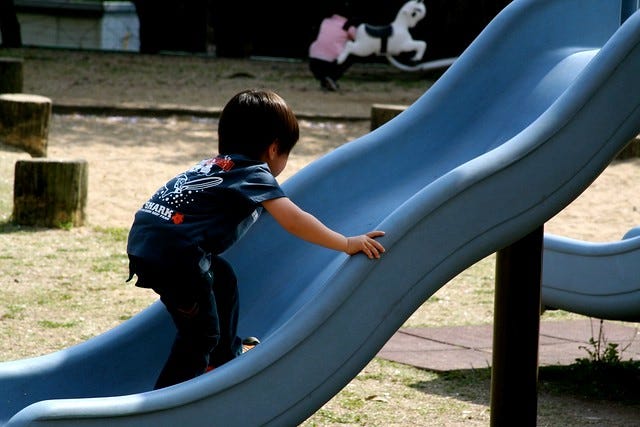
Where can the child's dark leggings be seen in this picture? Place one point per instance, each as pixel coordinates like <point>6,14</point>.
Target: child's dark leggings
<point>205,312</point>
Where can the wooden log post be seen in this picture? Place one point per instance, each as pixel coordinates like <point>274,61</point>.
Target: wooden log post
<point>382,113</point>
<point>631,150</point>
<point>50,193</point>
<point>11,76</point>
<point>24,122</point>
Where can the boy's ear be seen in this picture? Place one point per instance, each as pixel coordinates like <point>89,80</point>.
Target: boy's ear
<point>273,150</point>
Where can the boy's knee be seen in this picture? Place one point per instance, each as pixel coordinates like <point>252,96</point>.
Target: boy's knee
<point>188,311</point>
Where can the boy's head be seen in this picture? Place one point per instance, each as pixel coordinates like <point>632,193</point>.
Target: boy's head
<point>252,120</point>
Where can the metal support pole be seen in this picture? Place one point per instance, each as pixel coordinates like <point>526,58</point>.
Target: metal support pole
<point>516,328</point>
<point>628,8</point>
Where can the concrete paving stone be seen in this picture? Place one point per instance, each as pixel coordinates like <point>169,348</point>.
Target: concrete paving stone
<point>461,336</point>
<point>470,347</point>
<point>403,341</point>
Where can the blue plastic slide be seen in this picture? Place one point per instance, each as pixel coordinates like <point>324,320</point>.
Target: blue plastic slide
<point>600,280</point>
<point>526,118</point>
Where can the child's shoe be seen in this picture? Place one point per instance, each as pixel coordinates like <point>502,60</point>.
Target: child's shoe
<point>249,343</point>
<point>329,84</point>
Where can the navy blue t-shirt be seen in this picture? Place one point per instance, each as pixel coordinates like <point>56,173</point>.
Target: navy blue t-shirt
<point>207,208</point>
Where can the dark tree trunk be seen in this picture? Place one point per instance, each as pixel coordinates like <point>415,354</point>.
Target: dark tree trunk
<point>233,25</point>
<point>172,25</point>
<point>9,25</point>
<point>11,75</point>
<point>150,22</point>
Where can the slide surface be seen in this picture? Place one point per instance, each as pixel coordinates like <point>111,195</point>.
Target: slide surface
<point>526,118</point>
<point>600,280</point>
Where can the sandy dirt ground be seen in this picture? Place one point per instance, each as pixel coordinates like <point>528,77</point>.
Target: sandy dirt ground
<point>130,157</point>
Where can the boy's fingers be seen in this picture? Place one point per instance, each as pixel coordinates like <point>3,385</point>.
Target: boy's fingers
<point>375,233</point>
<point>374,249</point>
<point>367,244</point>
<point>377,245</point>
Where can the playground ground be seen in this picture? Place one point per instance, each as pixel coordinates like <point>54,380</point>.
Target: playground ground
<point>129,158</point>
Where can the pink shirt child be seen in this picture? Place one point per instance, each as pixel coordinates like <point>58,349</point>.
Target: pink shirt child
<point>331,38</point>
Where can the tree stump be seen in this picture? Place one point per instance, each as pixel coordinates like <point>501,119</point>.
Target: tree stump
<point>632,150</point>
<point>382,113</point>
<point>50,193</point>
<point>11,77</point>
<point>24,122</point>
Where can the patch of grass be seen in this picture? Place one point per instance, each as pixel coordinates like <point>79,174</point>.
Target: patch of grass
<point>50,324</point>
<point>69,250</point>
<point>387,393</point>
<point>115,234</point>
<point>109,262</point>
<point>53,298</point>
<point>61,275</point>
<point>351,401</point>
<point>14,311</point>
<point>328,417</point>
<point>68,225</point>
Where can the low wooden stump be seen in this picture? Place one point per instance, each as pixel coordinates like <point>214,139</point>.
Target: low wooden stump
<point>24,122</point>
<point>632,150</point>
<point>382,113</point>
<point>11,76</point>
<point>50,193</point>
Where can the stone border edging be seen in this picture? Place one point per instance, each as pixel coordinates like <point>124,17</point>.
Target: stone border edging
<point>165,110</point>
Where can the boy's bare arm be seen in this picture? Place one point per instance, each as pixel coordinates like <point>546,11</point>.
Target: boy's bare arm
<point>307,227</point>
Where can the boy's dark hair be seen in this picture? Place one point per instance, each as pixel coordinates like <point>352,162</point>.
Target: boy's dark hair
<point>252,120</point>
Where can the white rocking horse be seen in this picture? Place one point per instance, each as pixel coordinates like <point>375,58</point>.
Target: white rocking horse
<point>389,40</point>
